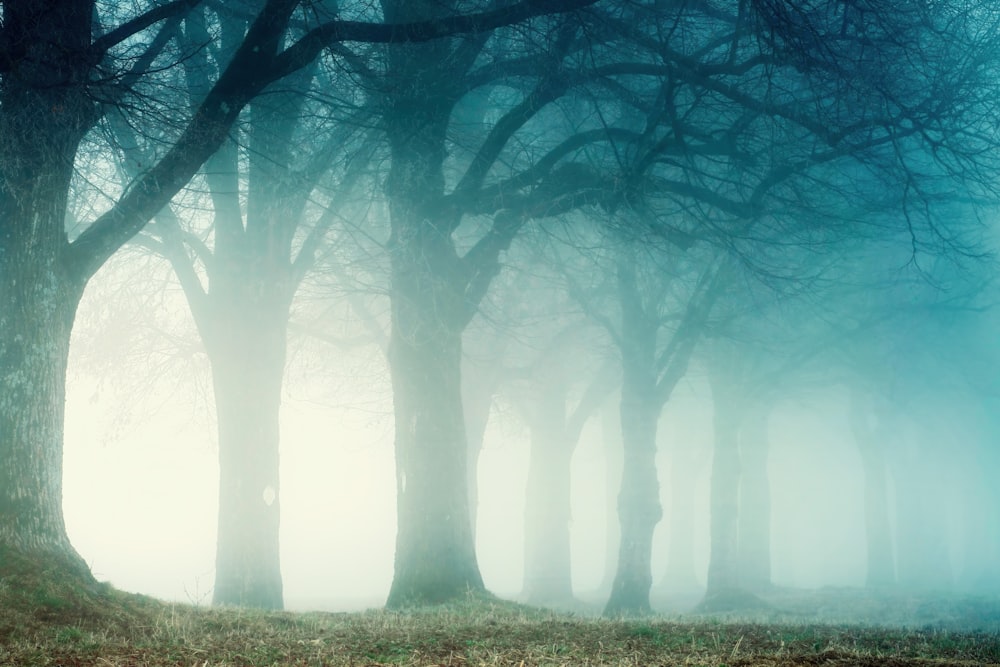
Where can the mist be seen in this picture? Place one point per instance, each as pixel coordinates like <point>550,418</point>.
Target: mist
<point>141,481</point>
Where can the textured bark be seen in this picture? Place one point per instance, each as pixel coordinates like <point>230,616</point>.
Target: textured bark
<point>36,315</point>
<point>755,501</point>
<point>435,556</point>
<point>43,117</point>
<point>547,563</point>
<point>869,437</point>
<point>639,507</point>
<point>435,553</point>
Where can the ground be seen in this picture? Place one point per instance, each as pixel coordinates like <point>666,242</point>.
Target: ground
<point>44,623</point>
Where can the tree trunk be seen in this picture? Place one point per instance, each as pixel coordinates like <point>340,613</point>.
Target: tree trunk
<point>547,562</point>
<point>611,435</point>
<point>43,117</point>
<point>435,550</point>
<point>723,580</point>
<point>480,379</point>
<point>36,316</point>
<point>435,553</point>
<point>869,439</point>
<point>639,507</point>
<point>247,373</point>
<point>679,576</point>
<point>755,502</point>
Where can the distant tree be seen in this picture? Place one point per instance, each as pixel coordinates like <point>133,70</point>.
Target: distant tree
<point>780,126</point>
<point>241,284</point>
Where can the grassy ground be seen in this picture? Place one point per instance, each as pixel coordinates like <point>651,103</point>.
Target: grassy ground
<point>44,623</point>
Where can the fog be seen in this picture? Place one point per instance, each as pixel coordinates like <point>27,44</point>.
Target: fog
<point>141,481</point>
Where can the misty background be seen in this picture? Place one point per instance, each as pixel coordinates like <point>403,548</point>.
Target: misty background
<point>141,470</point>
<point>591,304</point>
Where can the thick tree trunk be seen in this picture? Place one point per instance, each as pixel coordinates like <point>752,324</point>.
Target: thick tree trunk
<point>435,554</point>
<point>37,306</point>
<point>435,550</point>
<point>247,371</point>
<point>755,502</point>
<point>639,507</point>
<point>547,562</point>
<point>43,116</point>
<point>869,439</point>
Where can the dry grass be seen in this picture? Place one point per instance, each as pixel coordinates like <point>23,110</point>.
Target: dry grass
<point>46,622</point>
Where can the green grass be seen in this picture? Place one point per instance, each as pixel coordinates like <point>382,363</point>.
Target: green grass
<point>123,629</point>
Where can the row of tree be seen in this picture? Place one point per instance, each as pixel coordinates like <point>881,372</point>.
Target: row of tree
<point>683,171</point>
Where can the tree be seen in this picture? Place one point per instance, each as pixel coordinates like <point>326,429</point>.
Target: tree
<point>435,289</point>
<point>62,72</point>
<point>650,374</point>
<point>252,270</point>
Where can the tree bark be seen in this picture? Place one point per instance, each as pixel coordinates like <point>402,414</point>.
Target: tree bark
<point>44,113</point>
<point>639,507</point>
<point>755,501</point>
<point>36,314</point>
<point>435,552</point>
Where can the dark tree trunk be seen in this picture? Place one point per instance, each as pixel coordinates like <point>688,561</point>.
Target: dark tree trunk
<point>44,113</point>
<point>36,314</point>
<point>547,563</point>
<point>435,553</point>
<point>869,439</point>
<point>755,502</point>
<point>679,576</point>
<point>435,550</point>
<point>639,507</point>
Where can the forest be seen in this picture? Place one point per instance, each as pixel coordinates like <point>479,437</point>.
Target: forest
<point>614,307</point>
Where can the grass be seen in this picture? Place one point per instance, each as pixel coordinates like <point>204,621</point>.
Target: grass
<point>113,628</point>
